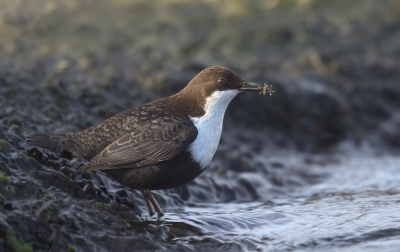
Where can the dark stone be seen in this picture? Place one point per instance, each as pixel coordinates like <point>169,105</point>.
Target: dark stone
<point>36,154</point>
<point>65,154</point>
<point>2,199</point>
<point>8,206</point>
<point>67,172</point>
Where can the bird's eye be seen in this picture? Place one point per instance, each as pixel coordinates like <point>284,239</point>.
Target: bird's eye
<point>222,82</point>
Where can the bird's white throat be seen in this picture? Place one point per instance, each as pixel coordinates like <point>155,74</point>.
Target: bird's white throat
<point>209,126</point>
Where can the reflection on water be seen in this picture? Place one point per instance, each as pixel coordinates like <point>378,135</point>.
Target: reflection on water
<point>356,208</point>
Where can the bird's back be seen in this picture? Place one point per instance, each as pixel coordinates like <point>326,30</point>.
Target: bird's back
<point>89,142</point>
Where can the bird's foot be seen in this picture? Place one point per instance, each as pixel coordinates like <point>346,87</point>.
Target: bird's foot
<point>152,204</point>
<point>151,213</point>
<point>160,214</point>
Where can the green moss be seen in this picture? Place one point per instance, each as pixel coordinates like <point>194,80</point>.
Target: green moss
<point>15,128</point>
<point>98,101</point>
<point>71,247</point>
<point>4,179</point>
<point>87,175</point>
<point>10,192</point>
<point>5,147</point>
<point>15,244</point>
<point>46,196</point>
<point>51,114</point>
<point>101,205</point>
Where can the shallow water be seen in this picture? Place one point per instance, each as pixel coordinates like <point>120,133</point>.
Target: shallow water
<point>355,208</point>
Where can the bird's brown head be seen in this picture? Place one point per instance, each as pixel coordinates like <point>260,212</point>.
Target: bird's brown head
<point>216,86</point>
<point>218,78</point>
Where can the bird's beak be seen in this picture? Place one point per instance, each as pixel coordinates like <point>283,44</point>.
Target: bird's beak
<point>250,86</point>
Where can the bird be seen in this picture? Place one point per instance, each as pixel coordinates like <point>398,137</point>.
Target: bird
<point>159,145</point>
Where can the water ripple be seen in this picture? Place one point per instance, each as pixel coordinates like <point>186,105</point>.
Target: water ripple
<point>357,207</point>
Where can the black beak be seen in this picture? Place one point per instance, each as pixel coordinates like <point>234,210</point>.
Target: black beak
<point>250,86</point>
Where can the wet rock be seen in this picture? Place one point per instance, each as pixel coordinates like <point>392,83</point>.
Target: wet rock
<point>8,206</point>
<point>36,154</point>
<point>67,172</point>
<point>2,199</point>
<point>51,178</point>
<point>65,154</point>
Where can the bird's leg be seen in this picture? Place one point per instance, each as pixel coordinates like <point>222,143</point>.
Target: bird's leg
<point>155,205</point>
<point>148,203</point>
<point>149,198</point>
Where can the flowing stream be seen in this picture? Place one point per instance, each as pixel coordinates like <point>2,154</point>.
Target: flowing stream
<point>355,209</point>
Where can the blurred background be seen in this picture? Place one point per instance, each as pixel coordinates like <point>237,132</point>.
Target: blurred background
<point>334,64</point>
<point>331,129</point>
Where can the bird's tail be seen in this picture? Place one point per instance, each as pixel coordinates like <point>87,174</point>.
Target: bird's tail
<point>50,140</point>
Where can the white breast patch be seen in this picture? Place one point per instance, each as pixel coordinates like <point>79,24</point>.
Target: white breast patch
<point>209,126</point>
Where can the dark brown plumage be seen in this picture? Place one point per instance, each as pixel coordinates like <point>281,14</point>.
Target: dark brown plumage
<point>147,147</point>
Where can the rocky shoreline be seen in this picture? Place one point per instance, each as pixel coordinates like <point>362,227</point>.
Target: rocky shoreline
<point>337,92</point>
<point>50,205</point>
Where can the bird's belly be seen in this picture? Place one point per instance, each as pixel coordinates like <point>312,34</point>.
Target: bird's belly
<point>164,175</point>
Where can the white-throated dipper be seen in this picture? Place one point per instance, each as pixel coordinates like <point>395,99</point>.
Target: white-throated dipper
<point>161,144</point>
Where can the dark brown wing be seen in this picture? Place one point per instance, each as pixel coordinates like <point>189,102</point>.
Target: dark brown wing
<point>162,139</point>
